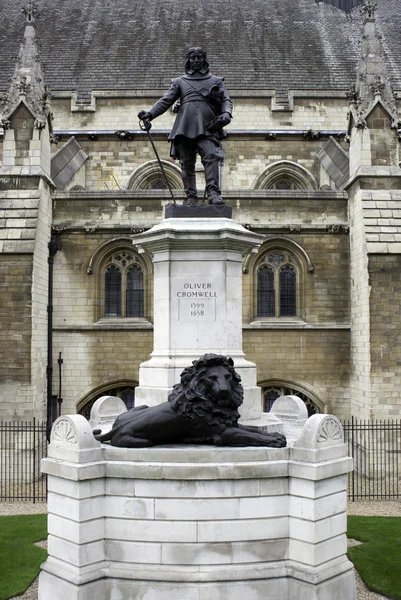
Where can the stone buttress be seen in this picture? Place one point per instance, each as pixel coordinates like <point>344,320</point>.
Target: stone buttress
<point>374,191</point>
<point>25,217</point>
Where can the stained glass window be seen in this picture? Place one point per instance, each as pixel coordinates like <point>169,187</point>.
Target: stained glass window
<point>277,286</point>
<point>270,395</point>
<point>266,292</point>
<point>124,289</point>
<point>126,393</point>
<point>288,292</point>
<point>135,292</point>
<point>112,292</point>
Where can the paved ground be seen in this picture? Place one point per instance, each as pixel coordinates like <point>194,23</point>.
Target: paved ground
<point>367,508</point>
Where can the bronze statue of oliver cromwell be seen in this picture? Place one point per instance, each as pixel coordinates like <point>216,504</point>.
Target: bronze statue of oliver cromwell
<point>204,109</point>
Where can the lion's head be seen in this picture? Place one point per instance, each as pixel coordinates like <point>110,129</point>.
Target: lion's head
<point>209,392</point>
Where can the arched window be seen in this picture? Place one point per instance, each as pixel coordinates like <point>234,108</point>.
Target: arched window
<point>123,286</point>
<point>112,291</point>
<point>288,291</point>
<point>135,292</point>
<point>284,184</point>
<point>125,391</point>
<point>277,285</point>
<point>158,184</point>
<point>266,292</point>
<point>285,175</point>
<point>271,393</point>
<point>149,176</point>
<point>123,282</point>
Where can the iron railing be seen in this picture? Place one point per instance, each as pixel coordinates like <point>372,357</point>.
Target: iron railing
<point>375,446</point>
<point>22,446</point>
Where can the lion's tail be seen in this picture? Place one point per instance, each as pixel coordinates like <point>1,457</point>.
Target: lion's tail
<point>105,437</point>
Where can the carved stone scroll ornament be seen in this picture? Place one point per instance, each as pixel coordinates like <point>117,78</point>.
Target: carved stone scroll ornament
<point>64,432</point>
<point>72,432</point>
<point>337,228</point>
<point>330,431</point>
<point>39,124</point>
<point>321,432</point>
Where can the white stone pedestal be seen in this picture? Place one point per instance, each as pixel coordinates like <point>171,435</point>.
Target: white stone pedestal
<point>197,522</point>
<point>197,303</point>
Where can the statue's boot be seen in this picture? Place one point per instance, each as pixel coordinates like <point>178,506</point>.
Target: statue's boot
<point>189,180</point>
<point>212,177</point>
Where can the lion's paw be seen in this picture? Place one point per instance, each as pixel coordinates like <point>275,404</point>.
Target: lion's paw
<point>277,440</point>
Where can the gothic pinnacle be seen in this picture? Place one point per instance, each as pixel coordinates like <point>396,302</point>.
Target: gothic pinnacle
<point>368,9</point>
<point>30,11</point>
<point>27,84</point>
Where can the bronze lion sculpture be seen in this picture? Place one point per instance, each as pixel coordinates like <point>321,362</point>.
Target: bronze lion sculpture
<point>201,409</point>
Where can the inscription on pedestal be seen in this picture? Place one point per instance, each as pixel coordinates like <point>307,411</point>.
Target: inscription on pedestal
<point>196,300</point>
<point>196,311</point>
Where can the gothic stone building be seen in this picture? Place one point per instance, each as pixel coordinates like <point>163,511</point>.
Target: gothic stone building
<point>312,163</point>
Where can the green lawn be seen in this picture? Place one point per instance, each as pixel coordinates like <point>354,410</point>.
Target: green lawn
<point>20,559</point>
<point>378,559</point>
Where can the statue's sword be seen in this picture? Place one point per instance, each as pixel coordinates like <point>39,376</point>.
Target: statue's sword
<point>146,125</point>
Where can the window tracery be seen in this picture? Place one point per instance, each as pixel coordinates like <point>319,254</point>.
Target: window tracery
<point>285,175</point>
<point>125,391</point>
<point>149,176</point>
<point>277,285</point>
<point>271,393</point>
<point>123,286</point>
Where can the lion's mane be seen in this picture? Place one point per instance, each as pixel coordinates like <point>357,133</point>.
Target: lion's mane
<point>190,398</point>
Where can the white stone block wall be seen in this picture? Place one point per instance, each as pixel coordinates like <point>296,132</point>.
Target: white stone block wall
<point>197,522</point>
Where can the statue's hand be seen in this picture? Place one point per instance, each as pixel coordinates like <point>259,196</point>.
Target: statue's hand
<point>225,119</point>
<point>219,122</point>
<point>144,114</point>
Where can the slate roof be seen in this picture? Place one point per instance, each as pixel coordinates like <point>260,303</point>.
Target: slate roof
<point>140,44</point>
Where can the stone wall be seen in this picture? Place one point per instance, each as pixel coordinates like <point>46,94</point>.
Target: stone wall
<point>246,155</point>
<point>246,158</point>
<point>324,295</point>
<point>360,312</point>
<point>15,303</point>
<point>24,266</point>
<point>385,303</point>
<point>96,359</point>
<point>315,362</point>
<point>95,349</point>
<point>116,113</point>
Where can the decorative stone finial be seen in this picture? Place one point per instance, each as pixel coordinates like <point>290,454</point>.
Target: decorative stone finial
<point>368,9</point>
<point>23,86</point>
<point>352,94</point>
<point>373,83</point>
<point>377,86</point>
<point>30,11</point>
<point>27,84</point>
